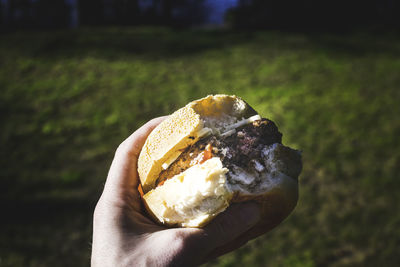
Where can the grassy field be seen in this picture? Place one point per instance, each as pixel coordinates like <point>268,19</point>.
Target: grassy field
<point>69,98</point>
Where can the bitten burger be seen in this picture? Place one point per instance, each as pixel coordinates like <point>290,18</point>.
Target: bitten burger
<point>211,153</point>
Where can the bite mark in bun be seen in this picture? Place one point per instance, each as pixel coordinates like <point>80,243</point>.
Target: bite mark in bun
<point>213,152</point>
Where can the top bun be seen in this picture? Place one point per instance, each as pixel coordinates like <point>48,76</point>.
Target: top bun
<point>194,194</point>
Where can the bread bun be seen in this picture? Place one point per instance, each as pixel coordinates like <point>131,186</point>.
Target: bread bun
<point>213,152</point>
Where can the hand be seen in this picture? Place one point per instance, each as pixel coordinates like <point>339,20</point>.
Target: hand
<point>124,236</point>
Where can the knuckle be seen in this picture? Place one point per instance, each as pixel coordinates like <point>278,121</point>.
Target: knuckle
<point>152,121</point>
<point>126,149</point>
<point>188,239</point>
<point>121,149</point>
<point>98,210</point>
<point>179,239</point>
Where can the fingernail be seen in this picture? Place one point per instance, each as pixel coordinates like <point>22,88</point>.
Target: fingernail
<point>250,213</point>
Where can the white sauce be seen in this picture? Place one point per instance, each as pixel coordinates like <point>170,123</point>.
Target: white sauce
<point>258,166</point>
<point>244,122</point>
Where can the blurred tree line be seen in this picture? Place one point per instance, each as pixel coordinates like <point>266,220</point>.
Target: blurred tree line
<point>71,13</point>
<point>270,14</point>
<point>315,14</point>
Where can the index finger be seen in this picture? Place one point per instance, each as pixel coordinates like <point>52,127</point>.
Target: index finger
<point>122,175</point>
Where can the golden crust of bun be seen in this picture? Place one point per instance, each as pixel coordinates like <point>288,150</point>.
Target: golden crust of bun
<point>218,105</point>
<point>165,141</point>
<point>182,129</point>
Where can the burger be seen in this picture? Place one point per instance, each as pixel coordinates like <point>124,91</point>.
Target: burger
<point>212,153</point>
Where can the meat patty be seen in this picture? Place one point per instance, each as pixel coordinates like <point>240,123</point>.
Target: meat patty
<point>242,148</point>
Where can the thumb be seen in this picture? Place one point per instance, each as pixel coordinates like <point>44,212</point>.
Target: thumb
<point>231,224</point>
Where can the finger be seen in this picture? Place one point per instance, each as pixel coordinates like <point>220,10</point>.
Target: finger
<point>260,230</point>
<point>122,176</point>
<point>254,232</point>
<point>231,224</point>
<point>233,245</point>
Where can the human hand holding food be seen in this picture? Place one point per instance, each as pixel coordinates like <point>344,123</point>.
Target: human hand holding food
<point>214,168</point>
<point>124,236</point>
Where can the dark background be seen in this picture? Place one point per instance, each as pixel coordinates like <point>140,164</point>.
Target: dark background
<point>77,77</point>
<point>339,15</point>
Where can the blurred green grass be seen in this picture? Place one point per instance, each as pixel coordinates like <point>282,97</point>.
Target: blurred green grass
<point>68,98</point>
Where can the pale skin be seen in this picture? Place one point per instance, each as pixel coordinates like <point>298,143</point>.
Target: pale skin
<point>123,235</point>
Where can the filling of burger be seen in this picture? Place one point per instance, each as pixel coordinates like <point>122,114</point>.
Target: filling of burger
<point>245,156</point>
<point>248,148</point>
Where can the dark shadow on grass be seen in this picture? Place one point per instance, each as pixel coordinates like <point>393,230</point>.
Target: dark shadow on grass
<point>45,210</point>
<point>164,43</point>
<point>358,44</point>
<point>120,43</point>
